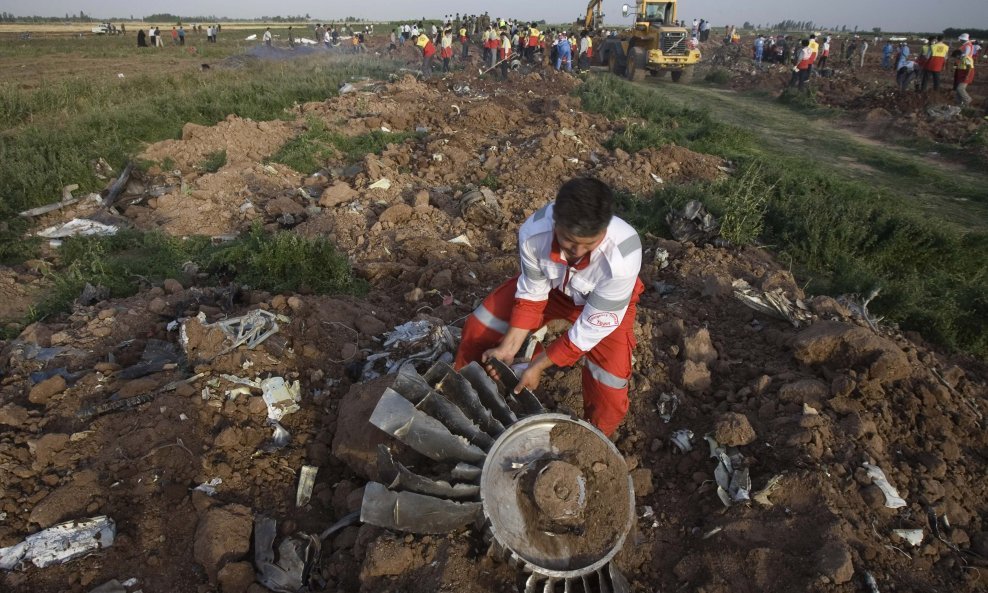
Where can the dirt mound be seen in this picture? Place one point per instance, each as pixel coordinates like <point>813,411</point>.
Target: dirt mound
<point>243,140</point>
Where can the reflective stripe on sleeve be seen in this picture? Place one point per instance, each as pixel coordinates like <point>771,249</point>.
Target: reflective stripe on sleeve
<point>605,378</point>
<point>601,304</point>
<point>533,273</point>
<point>488,320</point>
<point>630,245</point>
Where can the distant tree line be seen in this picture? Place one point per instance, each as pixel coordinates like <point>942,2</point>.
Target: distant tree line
<point>953,33</point>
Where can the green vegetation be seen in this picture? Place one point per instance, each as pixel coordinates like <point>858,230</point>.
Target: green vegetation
<point>490,181</point>
<point>52,134</point>
<point>843,234</point>
<point>805,99</point>
<point>213,162</point>
<point>126,262</point>
<point>310,150</point>
<point>720,76</point>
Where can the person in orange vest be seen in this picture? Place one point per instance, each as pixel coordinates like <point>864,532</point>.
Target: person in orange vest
<point>801,71</point>
<point>504,53</point>
<point>934,64</point>
<point>963,76</point>
<point>534,41</point>
<point>428,51</point>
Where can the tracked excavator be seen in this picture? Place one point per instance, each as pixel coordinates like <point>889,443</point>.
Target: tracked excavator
<point>654,45</point>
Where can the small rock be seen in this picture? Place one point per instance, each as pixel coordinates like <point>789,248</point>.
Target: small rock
<point>236,577</point>
<point>42,392</point>
<point>157,305</point>
<point>107,314</point>
<point>834,562</point>
<point>172,286</point>
<point>222,536</point>
<point>348,351</point>
<point>336,194</point>
<point>370,325</point>
<point>13,415</point>
<point>421,198</point>
<point>642,480</point>
<point>695,376</point>
<point>698,347</point>
<point>257,407</point>
<point>295,304</point>
<point>414,295</point>
<point>733,430</point>
<point>396,214</point>
<point>279,302</point>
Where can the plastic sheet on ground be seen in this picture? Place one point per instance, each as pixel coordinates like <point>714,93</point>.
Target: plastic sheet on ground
<point>774,303</point>
<point>943,111</point>
<point>78,227</point>
<point>60,543</point>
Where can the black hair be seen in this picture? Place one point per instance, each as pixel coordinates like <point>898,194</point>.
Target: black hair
<point>584,207</point>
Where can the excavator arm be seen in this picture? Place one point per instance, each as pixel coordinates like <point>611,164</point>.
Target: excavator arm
<point>594,17</point>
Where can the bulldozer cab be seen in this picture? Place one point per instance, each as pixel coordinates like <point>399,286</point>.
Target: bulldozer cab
<point>652,13</point>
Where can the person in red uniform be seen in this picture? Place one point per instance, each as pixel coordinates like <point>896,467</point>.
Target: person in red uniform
<point>935,63</point>
<point>580,263</point>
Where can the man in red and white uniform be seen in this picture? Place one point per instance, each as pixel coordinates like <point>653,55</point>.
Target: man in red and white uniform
<point>580,263</point>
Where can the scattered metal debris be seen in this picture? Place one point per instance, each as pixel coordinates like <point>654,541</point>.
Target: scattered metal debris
<point>383,183</point>
<point>859,310</point>
<point>762,495</point>
<point>774,303</point>
<point>422,341</point>
<point>67,200</point>
<point>668,404</point>
<point>296,556</point>
<point>892,498</point>
<point>250,329</point>
<point>132,402</point>
<point>306,480</point>
<point>731,473</point>
<point>661,258</point>
<point>943,111</point>
<point>693,223</point>
<point>158,356</point>
<point>60,543</point>
<point>871,583</point>
<point>683,438</point>
<point>281,398</point>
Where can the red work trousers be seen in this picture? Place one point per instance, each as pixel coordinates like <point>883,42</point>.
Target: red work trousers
<point>607,367</point>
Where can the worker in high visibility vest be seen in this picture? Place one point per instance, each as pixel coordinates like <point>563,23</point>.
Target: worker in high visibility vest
<point>814,48</point>
<point>967,47</point>
<point>534,40</point>
<point>464,42</point>
<point>934,64</point>
<point>428,51</point>
<point>504,53</point>
<point>963,76</point>
<point>446,48</point>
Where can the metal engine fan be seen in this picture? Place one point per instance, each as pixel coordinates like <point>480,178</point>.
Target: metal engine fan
<point>551,493</point>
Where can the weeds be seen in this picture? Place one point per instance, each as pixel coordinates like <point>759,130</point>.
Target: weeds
<point>490,181</point>
<point>719,76</point>
<point>843,235</point>
<point>310,150</point>
<point>800,99</point>
<point>213,162</point>
<point>126,262</point>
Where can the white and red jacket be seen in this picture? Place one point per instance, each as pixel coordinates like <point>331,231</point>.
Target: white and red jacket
<point>603,283</point>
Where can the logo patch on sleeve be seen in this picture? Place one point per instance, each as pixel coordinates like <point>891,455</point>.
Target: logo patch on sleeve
<point>603,319</point>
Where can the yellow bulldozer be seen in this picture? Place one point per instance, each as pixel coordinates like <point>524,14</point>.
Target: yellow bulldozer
<point>654,45</point>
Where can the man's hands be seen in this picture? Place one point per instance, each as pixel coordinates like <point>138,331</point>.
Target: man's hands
<point>506,351</point>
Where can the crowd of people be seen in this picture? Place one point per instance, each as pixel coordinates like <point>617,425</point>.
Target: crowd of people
<point>154,38</point>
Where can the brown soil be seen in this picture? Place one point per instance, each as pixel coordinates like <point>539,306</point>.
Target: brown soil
<point>821,399</point>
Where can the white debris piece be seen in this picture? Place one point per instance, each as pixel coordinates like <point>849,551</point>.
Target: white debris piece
<point>60,543</point>
<point>731,473</point>
<point>774,303</point>
<point>78,227</point>
<point>282,398</point>
<point>460,240</point>
<point>384,183</point>
<point>913,536</point>
<point>420,341</point>
<point>306,480</point>
<point>209,488</point>
<point>892,498</point>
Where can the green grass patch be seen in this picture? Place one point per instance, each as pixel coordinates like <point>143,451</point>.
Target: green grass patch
<point>130,260</point>
<point>52,135</point>
<point>719,76</point>
<point>799,99</point>
<point>843,235</point>
<point>314,147</point>
<point>213,162</point>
